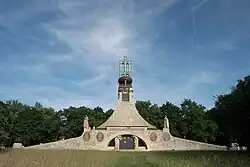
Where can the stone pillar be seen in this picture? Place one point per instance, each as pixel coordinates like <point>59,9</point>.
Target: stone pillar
<point>136,142</point>
<point>117,143</point>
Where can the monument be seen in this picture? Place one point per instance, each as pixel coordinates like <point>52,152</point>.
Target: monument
<point>126,129</point>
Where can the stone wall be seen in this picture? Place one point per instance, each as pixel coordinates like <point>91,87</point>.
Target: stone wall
<point>69,144</point>
<point>156,140</point>
<point>183,144</point>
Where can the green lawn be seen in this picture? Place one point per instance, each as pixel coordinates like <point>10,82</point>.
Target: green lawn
<point>56,158</point>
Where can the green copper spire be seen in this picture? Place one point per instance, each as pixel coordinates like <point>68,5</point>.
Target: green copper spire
<point>125,67</point>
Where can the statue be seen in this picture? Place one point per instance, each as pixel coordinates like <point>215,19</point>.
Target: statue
<point>166,122</point>
<point>86,122</point>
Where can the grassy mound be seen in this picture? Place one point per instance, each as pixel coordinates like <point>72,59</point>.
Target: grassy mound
<point>57,158</point>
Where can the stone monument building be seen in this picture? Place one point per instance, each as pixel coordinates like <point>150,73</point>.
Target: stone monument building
<point>126,129</point>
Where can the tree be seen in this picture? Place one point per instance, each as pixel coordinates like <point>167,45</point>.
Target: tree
<point>150,112</point>
<point>4,124</point>
<point>193,123</point>
<point>72,120</point>
<point>232,113</point>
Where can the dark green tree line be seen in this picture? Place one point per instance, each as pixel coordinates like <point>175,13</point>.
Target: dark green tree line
<point>232,114</point>
<point>227,122</point>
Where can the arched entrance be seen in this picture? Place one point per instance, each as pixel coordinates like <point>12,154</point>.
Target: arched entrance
<point>127,142</point>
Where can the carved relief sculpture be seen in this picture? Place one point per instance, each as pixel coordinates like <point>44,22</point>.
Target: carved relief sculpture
<point>166,136</point>
<point>153,137</point>
<point>86,136</point>
<point>99,136</point>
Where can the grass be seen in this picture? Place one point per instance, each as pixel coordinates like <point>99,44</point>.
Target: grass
<point>57,158</point>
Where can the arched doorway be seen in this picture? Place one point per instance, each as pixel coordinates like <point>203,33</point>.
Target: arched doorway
<point>127,142</point>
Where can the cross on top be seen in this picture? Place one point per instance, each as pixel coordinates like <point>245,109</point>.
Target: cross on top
<point>125,67</point>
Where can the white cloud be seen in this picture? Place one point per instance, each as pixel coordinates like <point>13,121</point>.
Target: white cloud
<point>104,42</point>
<point>105,31</point>
<point>99,35</point>
<point>225,46</point>
<point>206,77</point>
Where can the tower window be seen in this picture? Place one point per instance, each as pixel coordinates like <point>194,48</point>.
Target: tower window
<point>125,96</point>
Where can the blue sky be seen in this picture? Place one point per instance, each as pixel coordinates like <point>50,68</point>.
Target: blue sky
<point>62,53</point>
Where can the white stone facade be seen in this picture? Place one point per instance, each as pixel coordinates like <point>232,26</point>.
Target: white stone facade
<point>159,144</point>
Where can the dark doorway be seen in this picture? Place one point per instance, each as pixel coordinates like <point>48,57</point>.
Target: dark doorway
<point>141,143</point>
<point>112,143</point>
<point>127,142</point>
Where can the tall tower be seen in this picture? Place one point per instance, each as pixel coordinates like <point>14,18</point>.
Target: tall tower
<point>125,113</point>
<point>125,90</point>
